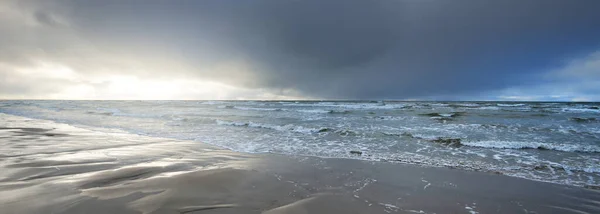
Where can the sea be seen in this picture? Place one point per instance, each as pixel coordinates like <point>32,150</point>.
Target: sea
<point>556,142</point>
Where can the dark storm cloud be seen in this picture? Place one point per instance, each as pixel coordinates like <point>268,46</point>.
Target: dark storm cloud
<point>341,49</point>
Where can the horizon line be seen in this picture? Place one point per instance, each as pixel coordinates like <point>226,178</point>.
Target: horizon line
<point>311,100</point>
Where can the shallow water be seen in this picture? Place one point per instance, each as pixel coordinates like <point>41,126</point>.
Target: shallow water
<point>553,142</point>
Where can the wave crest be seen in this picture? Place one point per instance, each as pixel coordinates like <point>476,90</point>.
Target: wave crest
<point>532,145</point>
<point>288,127</point>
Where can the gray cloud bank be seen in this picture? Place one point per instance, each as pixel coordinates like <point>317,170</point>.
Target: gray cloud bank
<point>351,49</point>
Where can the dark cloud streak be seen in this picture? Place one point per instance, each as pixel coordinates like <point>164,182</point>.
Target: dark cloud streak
<point>352,49</point>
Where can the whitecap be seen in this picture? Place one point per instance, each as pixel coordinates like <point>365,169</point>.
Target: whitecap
<point>532,145</point>
<point>510,105</point>
<point>317,111</point>
<point>288,127</point>
<point>581,110</point>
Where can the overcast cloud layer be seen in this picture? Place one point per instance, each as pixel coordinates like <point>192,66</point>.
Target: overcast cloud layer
<point>350,49</point>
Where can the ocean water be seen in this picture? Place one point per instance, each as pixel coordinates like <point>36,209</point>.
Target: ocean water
<point>552,142</point>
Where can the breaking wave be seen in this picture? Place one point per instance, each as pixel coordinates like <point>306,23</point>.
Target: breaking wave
<point>510,105</point>
<point>531,145</point>
<point>288,127</point>
<point>581,110</point>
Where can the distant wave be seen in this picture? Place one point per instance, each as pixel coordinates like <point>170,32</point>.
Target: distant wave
<point>510,105</point>
<point>531,145</point>
<point>358,106</point>
<point>584,120</point>
<point>386,117</point>
<point>119,113</point>
<point>339,112</point>
<point>312,111</point>
<point>451,114</point>
<point>317,111</point>
<point>288,127</point>
<point>250,108</point>
<point>106,112</point>
<point>100,113</point>
<point>256,109</point>
<point>464,105</point>
<point>486,108</point>
<point>475,106</point>
<point>581,110</point>
<point>210,102</point>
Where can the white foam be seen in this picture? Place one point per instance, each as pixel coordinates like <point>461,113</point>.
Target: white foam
<point>256,109</point>
<point>360,106</point>
<point>487,108</point>
<point>248,108</point>
<point>581,110</point>
<point>318,111</point>
<point>211,102</point>
<point>510,105</point>
<point>471,209</point>
<point>591,169</point>
<point>466,104</point>
<point>532,145</point>
<point>288,127</point>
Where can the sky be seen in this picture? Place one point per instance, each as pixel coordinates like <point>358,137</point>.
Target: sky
<point>292,49</point>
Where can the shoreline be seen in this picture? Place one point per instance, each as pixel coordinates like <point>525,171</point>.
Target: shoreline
<point>349,156</point>
<point>51,167</point>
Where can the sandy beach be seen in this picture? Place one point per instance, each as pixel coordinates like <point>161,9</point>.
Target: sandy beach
<point>48,167</point>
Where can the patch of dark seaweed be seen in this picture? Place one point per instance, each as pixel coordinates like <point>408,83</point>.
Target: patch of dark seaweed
<point>442,119</point>
<point>346,133</point>
<point>354,152</point>
<point>341,132</point>
<point>454,142</point>
<point>583,120</point>
<point>325,130</point>
<point>404,134</point>
<point>391,134</point>
<point>339,112</point>
<point>548,168</point>
<point>458,114</point>
<point>434,114</point>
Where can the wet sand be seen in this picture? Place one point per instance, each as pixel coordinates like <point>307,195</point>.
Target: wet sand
<point>47,167</point>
